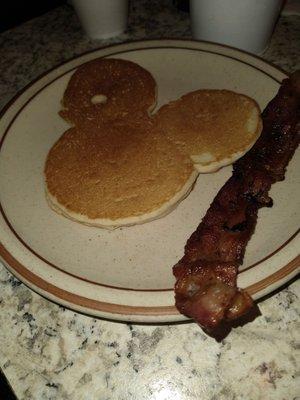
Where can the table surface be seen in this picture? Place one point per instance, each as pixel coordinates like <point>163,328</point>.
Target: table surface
<point>49,352</point>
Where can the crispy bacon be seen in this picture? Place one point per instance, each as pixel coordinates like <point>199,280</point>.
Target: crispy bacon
<point>206,288</point>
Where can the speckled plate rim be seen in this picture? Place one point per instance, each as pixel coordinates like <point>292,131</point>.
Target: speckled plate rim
<point>164,310</point>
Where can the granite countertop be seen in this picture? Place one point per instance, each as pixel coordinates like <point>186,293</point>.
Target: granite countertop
<point>48,352</point>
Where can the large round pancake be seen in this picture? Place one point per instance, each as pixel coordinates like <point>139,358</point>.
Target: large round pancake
<point>214,127</point>
<point>116,174</point>
<point>106,89</point>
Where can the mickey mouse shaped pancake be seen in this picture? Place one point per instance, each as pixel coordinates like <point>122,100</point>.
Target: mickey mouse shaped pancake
<point>119,164</point>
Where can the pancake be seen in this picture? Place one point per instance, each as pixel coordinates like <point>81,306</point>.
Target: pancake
<point>213,127</point>
<point>116,174</point>
<point>119,164</point>
<point>106,89</point>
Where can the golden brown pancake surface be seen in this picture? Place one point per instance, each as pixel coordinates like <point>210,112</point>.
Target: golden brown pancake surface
<point>214,123</point>
<point>105,89</point>
<point>115,171</point>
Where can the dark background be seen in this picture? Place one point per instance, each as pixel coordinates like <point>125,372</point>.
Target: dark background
<point>16,12</point>
<point>6,392</point>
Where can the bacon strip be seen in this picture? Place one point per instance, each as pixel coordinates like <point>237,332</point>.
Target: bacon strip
<point>206,288</point>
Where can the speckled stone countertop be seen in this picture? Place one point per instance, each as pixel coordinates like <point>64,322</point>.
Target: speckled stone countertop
<point>51,353</point>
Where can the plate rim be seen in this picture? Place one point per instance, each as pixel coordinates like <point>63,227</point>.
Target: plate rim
<point>285,272</point>
<point>113,308</point>
<point>129,42</point>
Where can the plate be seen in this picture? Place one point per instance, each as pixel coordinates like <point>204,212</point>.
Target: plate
<point>126,274</point>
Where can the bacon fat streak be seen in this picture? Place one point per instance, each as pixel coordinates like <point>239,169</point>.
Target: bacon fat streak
<point>206,288</point>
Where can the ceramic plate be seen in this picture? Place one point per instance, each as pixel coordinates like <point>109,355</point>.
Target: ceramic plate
<point>126,274</point>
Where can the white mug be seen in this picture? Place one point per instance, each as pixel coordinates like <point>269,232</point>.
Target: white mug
<point>102,19</point>
<point>245,24</point>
